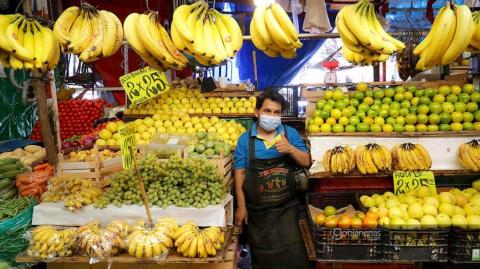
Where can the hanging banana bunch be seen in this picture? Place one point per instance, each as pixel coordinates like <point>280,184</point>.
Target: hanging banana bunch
<point>89,33</point>
<point>208,35</point>
<point>26,44</point>
<point>449,37</point>
<point>364,41</point>
<point>273,32</point>
<point>475,41</point>
<point>147,37</point>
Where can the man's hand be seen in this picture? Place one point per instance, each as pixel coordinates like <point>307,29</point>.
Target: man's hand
<point>283,146</point>
<point>241,216</point>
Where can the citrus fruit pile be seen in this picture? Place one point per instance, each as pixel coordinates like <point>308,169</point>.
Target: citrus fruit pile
<point>399,109</point>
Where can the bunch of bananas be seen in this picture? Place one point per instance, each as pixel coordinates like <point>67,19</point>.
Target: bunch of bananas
<point>146,242</point>
<point>192,241</point>
<point>26,44</point>
<point>411,157</point>
<point>206,34</point>
<point>339,160</point>
<point>475,41</point>
<point>450,35</point>
<point>93,241</point>
<point>363,37</point>
<point>75,192</point>
<point>469,155</point>
<point>47,243</point>
<point>273,32</point>
<point>147,37</point>
<point>372,158</point>
<point>88,32</point>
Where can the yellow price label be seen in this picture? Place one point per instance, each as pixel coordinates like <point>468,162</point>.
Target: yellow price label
<point>128,147</point>
<point>404,181</point>
<point>144,84</point>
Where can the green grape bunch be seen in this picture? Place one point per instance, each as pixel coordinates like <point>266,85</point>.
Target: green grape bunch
<point>192,182</point>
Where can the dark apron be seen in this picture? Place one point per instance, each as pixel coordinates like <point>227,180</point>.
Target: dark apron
<point>273,213</point>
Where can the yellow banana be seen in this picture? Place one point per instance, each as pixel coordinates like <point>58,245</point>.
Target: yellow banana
<point>288,54</point>
<point>171,47</point>
<point>29,45</point>
<point>180,16</point>
<point>153,45</point>
<point>199,38</point>
<point>276,32</point>
<point>64,24</point>
<point>74,33</point>
<point>176,38</point>
<point>384,35</point>
<point>224,34</point>
<point>95,47</point>
<point>5,20</point>
<point>40,48</point>
<point>201,252</point>
<point>441,38</point>
<point>345,35</point>
<point>260,24</point>
<point>113,33</point>
<point>131,34</point>
<point>192,250</point>
<point>256,38</point>
<point>284,21</point>
<point>234,30</point>
<point>428,39</point>
<point>222,52</point>
<point>463,34</point>
<point>85,35</point>
<point>15,34</point>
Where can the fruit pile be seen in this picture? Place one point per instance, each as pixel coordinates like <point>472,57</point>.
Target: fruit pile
<point>273,32</point>
<point>372,158</point>
<point>206,34</point>
<point>27,156</point>
<point>173,123</point>
<point>91,155</point>
<point>148,242</point>
<point>192,241</point>
<point>450,35</point>
<point>364,41</point>
<point>146,35</point>
<point>208,145</point>
<point>180,182</point>
<point>422,208</point>
<point>48,243</point>
<point>25,43</point>
<point>397,109</point>
<point>74,192</point>
<point>88,32</point>
<point>468,155</point>
<point>329,218</point>
<point>76,117</point>
<point>192,101</point>
<point>93,241</point>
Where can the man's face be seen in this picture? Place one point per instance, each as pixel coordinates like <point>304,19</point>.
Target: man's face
<point>270,108</point>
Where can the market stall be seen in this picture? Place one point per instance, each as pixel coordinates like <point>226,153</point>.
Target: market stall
<point>140,172</point>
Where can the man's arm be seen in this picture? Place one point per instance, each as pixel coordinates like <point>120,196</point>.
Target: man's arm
<point>241,212</point>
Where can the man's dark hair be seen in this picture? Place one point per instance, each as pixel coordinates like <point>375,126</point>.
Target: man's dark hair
<point>271,94</point>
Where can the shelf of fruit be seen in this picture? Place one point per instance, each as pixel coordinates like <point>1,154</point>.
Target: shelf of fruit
<point>165,242</point>
<point>219,115</point>
<point>395,110</point>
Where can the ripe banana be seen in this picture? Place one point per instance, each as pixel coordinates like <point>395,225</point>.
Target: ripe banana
<point>193,242</point>
<point>64,23</point>
<point>410,157</point>
<point>469,155</point>
<point>463,34</point>
<point>47,243</point>
<point>372,158</point>
<point>273,32</point>
<point>339,160</point>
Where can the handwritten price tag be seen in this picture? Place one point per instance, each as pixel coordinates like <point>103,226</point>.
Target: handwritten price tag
<point>403,181</point>
<point>144,84</point>
<point>128,147</point>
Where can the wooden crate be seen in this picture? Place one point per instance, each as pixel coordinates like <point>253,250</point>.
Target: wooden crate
<point>100,171</point>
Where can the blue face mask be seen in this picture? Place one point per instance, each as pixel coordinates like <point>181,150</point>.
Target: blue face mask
<point>269,123</point>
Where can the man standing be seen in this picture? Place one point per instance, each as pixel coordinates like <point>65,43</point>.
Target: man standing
<point>265,187</point>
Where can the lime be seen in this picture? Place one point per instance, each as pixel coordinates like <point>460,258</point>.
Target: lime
<point>434,119</point>
<point>405,104</point>
<point>375,128</point>
<point>383,112</point>
<point>362,86</point>
<point>328,108</point>
<point>359,95</point>
<point>361,114</point>
<point>355,102</point>
<point>395,104</point>
<point>472,107</point>
<point>325,128</point>
<point>460,107</point>
<point>390,120</point>
<point>389,92</point>
<point>439,98</point>
<point>348,111</point>
<point>467,116</point>
<point>331,102</point>
<point>386,100</point>
<point>385,106</point>
<point>331,121</point>
<point>313,128</point>
<point>415,101</point>
<point>324,114</point>
<point>343,121</point>
<point>398,128</point>
<point>435,108</point>
<point>457,116</point>
<point>399,97</point>
<point>336,113</point>
<point>341,104</point>
<point>429,92</point>
<point>409,128</point>
<point>328,94</point>
<point>424,100</point>
<point>354,120</point>
<point>320,104</point>
<point>412,89</point>
<point>421,127</point>
<point>399,89</point>
<point>368,100</point>
<point>476,126</point>
<point>455,89</point>
<point>448,107</point>
<point>452,98</point>
<point>404,111</point>
<point>363,127</point>
<point>369,93</point>
<point>475,97</point>
<point>444,127</point>
<point>423,109</point>
<point>410,119</point>
<point>372,113</point>
<point>368,120</point>
<point>394,112</point>
<point>419,93</point>
<point>408,95</point>
<point>422,119</point>
<point>378,94</point>
<point>432,128</point>
<point>400,120</point>
<point>337,128</point>
<point>476,114</point>
<point>377,102</point>
<point>379,120</point>
<point>413,109</point>
<point>468,88</point>
<point>350,128</point>
<point>363,107</point>
<point>444,90</point>
<point>464,97</point>
<point>456,126</point>
<point>318,121</point>
<point>468,126</point>
<point>387,128</point>
<point>445,118</point>
<point>338,94</point>
<point>317,113</point>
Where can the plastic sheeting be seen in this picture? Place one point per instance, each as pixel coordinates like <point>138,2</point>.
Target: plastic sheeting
<point>16,119</point>
<point>405,15</point>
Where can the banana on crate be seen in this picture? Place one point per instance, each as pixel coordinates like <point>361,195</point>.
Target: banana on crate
<point>26,44</point>
<point>468,155</point>
<point>450,35</point>
<point>411,157</point>
<point>89,33</point>
<point>208,35</point>
<point>372,158</point>
<point>273,32</point>
<point>151,242</point>
<point>364,41</point>
<point>74,192</point>
<point>339,160</point>
<point>191,241</point>
<point>93,241</point>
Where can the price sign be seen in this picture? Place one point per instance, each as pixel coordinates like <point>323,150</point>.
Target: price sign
<point>128,147</point>
<point>403,181</point>
<point>144,84</point>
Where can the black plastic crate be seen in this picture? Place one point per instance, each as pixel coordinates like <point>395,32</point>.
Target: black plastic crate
<point>342,244</point>
<point>464,245</point>
<point>415,245</point>
<point>292,96</point>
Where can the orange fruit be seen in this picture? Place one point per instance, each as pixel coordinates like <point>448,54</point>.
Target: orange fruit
<point>331,222</point>
<point>360,214</point>
<point>357,223</point>
<point>344,222</point>
<point>370,223</point>
<point>372,215</point>
<point>320,219</point>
